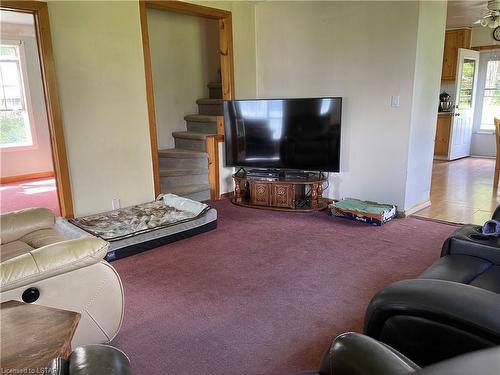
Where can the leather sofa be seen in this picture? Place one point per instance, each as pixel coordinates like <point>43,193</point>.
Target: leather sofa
<point>92,360</point>
<point>452,308</point>
<point>39,265</point>
<point>356,354</point>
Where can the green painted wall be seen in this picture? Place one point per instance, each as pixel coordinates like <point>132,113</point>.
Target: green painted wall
<point>243,14</point>
<point>184,58</point>
<point>100,71</point>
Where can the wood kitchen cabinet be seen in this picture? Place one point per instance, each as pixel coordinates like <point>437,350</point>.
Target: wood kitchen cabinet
<point>443,133</point>
<point>454,39</point>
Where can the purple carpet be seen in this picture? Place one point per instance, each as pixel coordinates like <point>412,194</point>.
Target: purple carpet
<point>265,292</point>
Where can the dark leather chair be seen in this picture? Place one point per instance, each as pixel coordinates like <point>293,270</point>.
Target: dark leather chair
<point>469,240</point>
<point>356,354</point>
<point>451,309</point>
<point>92,360</point>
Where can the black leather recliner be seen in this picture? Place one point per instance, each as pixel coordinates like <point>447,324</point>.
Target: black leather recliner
<point>451,309</point>
<point>94,359</point>
<point>356,354</point>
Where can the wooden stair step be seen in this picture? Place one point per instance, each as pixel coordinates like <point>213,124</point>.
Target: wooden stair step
<point>191,135</point>
<point>214,90</point>
<point>207,101</point>
<point>186,189</point>
<point>181,153</point>
<point>181,172</point>
<point>201,118</point>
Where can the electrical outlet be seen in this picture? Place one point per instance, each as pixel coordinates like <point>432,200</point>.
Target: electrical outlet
<point>115,203</point>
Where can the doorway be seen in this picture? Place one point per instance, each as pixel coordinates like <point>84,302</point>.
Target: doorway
<point>224,23</point>
<point>462,181</point>
<point>27,173</point>
<point>33,155</point>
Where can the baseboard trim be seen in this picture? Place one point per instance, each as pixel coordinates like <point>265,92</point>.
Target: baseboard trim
<point>227,195</point>
<point>483,157</point>
<point>416,208</point>
<point>441,157</point>
<point>25,177</point>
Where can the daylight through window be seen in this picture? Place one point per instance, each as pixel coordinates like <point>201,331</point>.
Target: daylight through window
<point>491,98</point>
<point>15,129</point>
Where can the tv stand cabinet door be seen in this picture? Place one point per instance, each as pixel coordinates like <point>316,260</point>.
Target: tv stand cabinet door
<point>283,195</point>
<point>260,193</point>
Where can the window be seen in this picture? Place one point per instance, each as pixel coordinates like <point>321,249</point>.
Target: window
<point>466,89</point>
<point>488,92</point>
<point>491,96</point>
<point>15,128</point>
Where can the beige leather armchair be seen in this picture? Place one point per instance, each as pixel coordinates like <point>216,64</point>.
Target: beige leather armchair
<point>67,274</point>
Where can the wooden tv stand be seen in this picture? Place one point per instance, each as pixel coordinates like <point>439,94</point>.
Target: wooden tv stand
<point>282,195</point>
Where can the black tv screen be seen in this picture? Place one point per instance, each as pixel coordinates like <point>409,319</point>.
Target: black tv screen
<point>301,134</point>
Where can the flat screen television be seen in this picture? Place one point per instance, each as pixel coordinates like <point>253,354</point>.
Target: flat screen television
<point>301,134</point>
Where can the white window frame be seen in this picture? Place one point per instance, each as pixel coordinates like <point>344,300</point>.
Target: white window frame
<point>484,58</point>
<point>26,99</point>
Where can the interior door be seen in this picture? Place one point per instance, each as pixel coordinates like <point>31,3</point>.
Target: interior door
<point>466,82</point>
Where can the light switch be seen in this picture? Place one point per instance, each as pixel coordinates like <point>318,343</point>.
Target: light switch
<point>115,203</point>
<point>395,101</point>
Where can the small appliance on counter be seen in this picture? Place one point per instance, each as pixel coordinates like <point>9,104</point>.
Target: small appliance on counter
<point>445,102</point>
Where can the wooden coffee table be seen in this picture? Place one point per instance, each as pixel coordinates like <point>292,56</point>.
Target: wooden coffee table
<point>33,335</point>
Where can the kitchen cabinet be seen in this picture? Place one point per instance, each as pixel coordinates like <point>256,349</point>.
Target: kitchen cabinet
<point>443,134</point>
<point>454,39</point>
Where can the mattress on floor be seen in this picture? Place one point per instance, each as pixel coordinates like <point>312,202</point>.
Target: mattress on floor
<point>142,241</point>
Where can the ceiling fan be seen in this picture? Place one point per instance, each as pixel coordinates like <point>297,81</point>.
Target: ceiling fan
<point>492,17</point>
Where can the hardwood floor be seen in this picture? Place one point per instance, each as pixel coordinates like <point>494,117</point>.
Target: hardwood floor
<point>462,191</point>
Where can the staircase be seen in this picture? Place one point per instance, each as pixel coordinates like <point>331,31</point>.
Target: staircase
<point>184,169</point>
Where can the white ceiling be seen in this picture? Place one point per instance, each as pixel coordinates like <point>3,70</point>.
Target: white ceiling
<point>16,17</point>
<point>465,12</point>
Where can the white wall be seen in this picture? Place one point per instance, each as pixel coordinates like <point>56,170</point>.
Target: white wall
<point>225,173</point>
<point>243,16</point>
<point>482,36</point>
<point>100,70</point>
<point>38,158</point>
<point>483,144</point>
<point>336,49</point>
<point>184,58</point>
<point>430,41</point>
